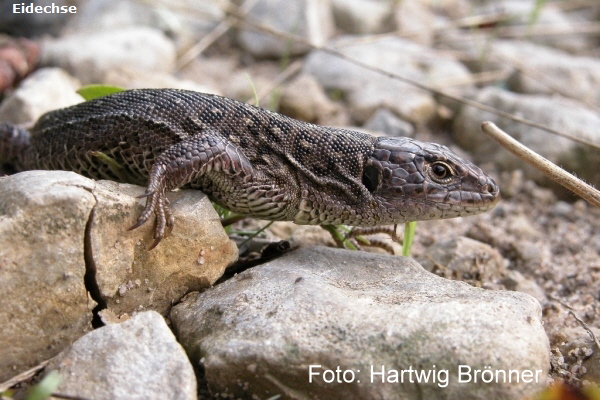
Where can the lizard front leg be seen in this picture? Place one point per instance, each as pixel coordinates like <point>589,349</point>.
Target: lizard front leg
<point>182,163</point>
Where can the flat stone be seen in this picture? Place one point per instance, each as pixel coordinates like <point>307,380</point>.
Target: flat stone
<point>304,99</point>
<point>90,56</point>
<point>363,16</point>
<point>543,70</point>
<point>182,20</point>
<point>311,20</point>
<point>136,359</point>
<point>44,90</point>
<point>264,331</point>
<point>387,123</point>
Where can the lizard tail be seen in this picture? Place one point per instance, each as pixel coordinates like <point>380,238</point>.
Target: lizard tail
<point>14,143</point>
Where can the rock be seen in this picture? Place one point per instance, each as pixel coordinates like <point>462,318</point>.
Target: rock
<point>516,281</point>
<point>264,331</point>
<point>214,71</point>
<point>58,226</point>
<point>310,20</point>
<point>304,99</point>
<point>543,70</point>
<point>22,24</point>
<point>532,19</point>
<point>136,359</point>
<point>363,16</point>
<point>386,122</point>
<point>44,90</point>
<point>91,56</point>
<point>44,304</point>
<point>182,20</point>
<point>367,91</point>
<point>466,260</point>
<point>416,21</point>
<point>583,356</point>
<point>131,278</point>
<point>557,113</point>
<point>134,79</point>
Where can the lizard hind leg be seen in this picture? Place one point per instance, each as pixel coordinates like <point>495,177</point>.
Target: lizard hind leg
<point>183,163</point>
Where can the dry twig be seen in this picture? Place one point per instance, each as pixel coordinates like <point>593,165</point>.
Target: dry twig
<point>553,171</point>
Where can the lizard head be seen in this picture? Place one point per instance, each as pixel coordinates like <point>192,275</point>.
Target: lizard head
<point>412,180</point>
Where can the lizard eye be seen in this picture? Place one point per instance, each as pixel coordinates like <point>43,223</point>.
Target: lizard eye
<point>441,172</point>
<point>371,178</point>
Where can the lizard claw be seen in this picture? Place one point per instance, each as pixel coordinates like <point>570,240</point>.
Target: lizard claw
<point>157,204</point>
<point>147,194</point>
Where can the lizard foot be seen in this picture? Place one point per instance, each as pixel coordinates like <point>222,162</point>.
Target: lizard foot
<point>157,204</point>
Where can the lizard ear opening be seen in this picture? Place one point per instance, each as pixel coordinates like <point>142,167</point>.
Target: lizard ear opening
<point>371,177</point>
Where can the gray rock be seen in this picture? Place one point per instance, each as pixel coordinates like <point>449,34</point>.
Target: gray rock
<point>416,20</point>
<point>311,20</point>
<point>545,70</point>
<point>524,14</point>
<point>368,91</point>
<point>516,281</point>
<point>386,122</point>
<point>182,20</point>
<point>135,79</point>
<point>465,259</point>
<point>558,113</point>
<point>44,304</point>
<point>130,277</point>
<point>44,90</point>
<point>136,359</point>
<point>32,24</point>
<point>259,333</point>
<point>363,16</point>
<point>304,99</point>
<point>583,355</point>
<point>91,56</point>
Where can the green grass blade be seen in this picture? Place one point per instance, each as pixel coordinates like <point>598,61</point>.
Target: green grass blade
<point>409,235</point>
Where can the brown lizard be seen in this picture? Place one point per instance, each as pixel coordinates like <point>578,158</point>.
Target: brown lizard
<point>249,160</point>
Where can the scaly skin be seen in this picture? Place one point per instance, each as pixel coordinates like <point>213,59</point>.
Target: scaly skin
<point>250,160</point>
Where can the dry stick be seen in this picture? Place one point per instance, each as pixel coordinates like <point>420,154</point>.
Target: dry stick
<point>211,37</point>
<point>550,169</point>
<point>461,23</point>
<point>588,28</point>
<point>542,79</point>
<point>283,76</point>
<point>481,77</point>
<point>587,328</point>
<point>575,4</point>
<point>583,324</point>
<point>23,376</point>
<point>261,27</point>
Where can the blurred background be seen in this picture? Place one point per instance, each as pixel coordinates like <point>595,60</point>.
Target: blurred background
<point>397,68</point>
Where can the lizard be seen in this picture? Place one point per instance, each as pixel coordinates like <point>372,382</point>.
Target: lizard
<point>252,161</point>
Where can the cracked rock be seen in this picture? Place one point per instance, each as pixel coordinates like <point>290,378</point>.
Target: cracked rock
<point>130,277</point>
<point>54,225</point>
<point>44,305</point>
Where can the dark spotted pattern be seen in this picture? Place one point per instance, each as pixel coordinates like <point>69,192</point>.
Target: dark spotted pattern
<point>249,160</point>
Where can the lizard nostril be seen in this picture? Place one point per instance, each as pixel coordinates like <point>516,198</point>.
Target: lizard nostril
<point>490,188</point>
